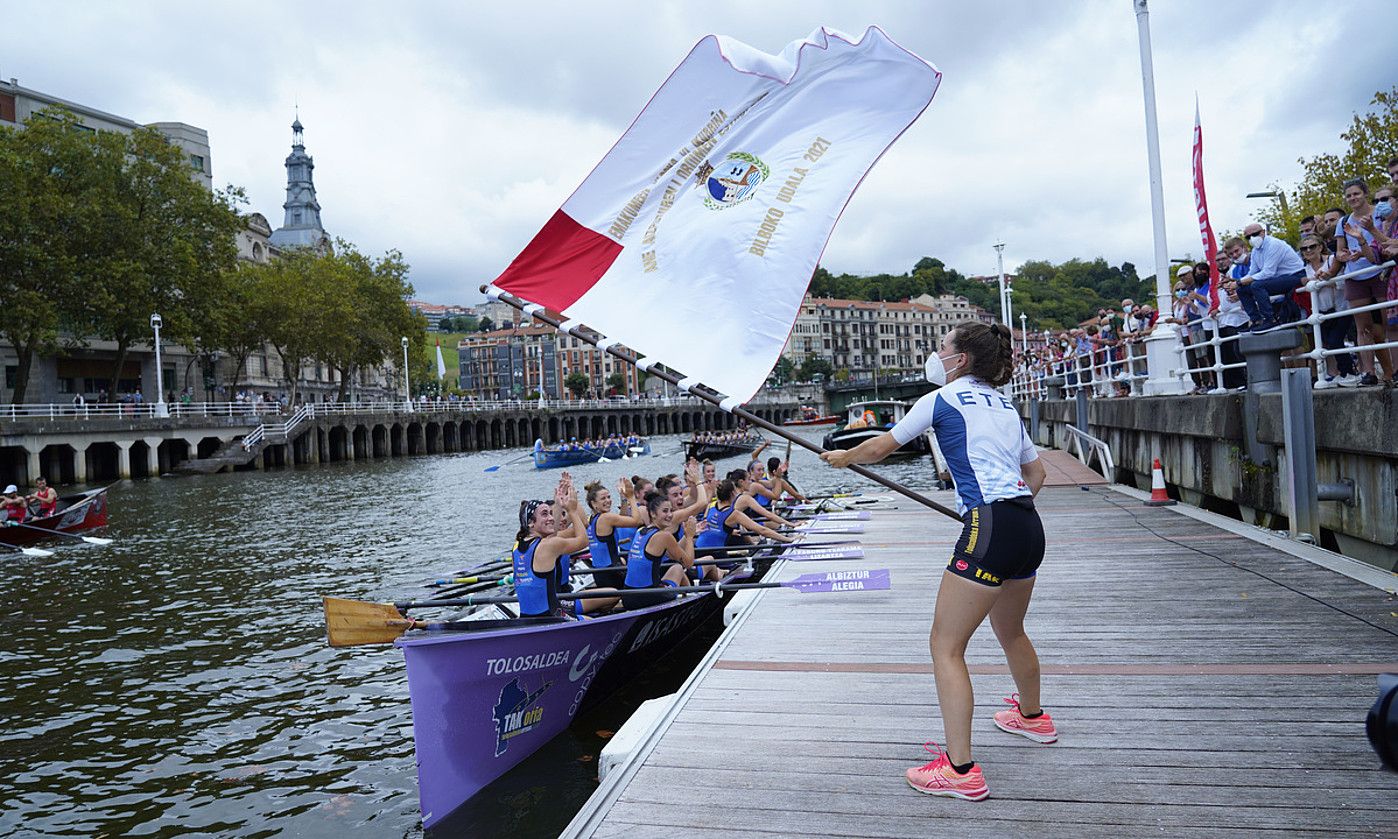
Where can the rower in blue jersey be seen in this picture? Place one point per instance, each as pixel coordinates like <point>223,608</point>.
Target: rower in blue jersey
<point>749,504</point>
<point>759,488</point>
<point>608,559</point>
<point>777,478</point>
<point>653,545</point>
<point>548,533</point>
<point>722,520</point>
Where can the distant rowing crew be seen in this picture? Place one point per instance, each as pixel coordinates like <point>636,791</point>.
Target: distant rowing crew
<point>648,542</point>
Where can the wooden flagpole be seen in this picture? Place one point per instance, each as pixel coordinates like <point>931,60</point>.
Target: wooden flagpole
<point>702,391</point>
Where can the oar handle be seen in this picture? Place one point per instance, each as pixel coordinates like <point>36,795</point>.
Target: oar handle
<point>702,588</point>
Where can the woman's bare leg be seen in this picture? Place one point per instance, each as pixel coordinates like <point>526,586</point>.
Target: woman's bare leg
<point>1007,619</point>
<point>961,607</point>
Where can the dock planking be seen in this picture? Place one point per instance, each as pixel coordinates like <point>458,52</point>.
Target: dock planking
<point>1203,685</point>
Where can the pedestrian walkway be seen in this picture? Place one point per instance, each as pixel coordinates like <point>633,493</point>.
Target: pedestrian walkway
<point>1204,685</point>
<point>1064,470</point>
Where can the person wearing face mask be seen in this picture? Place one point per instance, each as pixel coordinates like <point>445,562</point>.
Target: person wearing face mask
<point>1230,318</point>
<point>1273,269</point>
<point>997,472</point>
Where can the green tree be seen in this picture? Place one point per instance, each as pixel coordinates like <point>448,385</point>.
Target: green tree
<point>814,366</point>
<point>1371,139</point>
<point>784,370</point>
<point>576,383</point>
<point>164,244</point>
<point>370,317</point>
<point>49,215</point>
<point>617,382</point>
<point>235,324</point>
<point>486,324</point>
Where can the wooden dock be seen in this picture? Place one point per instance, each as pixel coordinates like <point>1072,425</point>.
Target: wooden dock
<point>1203,684</point>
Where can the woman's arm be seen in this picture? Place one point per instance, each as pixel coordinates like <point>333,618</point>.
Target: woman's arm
<point>870,451</point>
<point>737,517</point>
<point>1034,474</point>
<point>681,551</point>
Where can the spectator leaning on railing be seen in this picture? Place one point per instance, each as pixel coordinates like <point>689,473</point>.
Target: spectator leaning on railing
<point>1327,299</point>
<point>1386,232</point>
<point>1231,319</point>
<point>1357,247</point>
<point>1273,268</point>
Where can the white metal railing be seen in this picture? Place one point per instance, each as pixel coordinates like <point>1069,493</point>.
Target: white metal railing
<point>1102,370</point>
<point>1085,448</point>
<point>254,437</point>
<point>254,410</point>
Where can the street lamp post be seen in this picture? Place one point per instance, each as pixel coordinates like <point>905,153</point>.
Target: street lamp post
<point>1024,333</point>
<point>161,409</point>
<point>407,391</point>
<point>1281,197</point>
<point>1163,345</point>
<point>1000,269</point>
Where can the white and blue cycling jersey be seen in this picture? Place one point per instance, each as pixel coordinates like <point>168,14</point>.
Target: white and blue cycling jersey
<point>980,435</point>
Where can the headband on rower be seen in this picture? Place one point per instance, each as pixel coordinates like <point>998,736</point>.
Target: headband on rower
<point>526,512</point>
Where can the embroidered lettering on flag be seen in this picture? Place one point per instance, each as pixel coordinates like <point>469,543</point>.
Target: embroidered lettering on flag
<point>694,239</point>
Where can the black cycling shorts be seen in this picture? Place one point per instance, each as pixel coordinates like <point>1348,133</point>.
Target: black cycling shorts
<point>1003,540</point>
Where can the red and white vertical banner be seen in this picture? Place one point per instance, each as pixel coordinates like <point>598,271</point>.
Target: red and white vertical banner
<point>1201,205</point>
<point>694,239</point>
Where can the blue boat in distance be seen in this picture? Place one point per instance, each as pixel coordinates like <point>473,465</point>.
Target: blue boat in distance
<point>555,458</point>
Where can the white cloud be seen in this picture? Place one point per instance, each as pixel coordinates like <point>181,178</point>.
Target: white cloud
<point>452,132</point>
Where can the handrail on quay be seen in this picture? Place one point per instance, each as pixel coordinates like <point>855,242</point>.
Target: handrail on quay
<point>254,411</point>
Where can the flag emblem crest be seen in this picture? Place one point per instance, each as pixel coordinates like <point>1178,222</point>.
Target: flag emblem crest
<point>734,180</point>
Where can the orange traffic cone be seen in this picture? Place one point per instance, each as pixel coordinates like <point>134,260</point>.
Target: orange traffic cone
<point>1158,497</point>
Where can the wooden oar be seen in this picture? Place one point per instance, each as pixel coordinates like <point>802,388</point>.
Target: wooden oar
<point>91,540</point>
<point>351,623</point>
<point>26,551</point>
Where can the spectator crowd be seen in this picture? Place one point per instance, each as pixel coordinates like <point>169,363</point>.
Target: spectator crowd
<point>1342,262</point>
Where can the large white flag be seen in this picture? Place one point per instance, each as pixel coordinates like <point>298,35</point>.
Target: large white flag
<point>694,239</point>
<point>441,362</point>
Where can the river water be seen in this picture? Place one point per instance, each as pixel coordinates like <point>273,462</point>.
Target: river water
<point>177,682</point>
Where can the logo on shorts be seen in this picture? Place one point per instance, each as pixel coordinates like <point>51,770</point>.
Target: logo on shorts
<point>961,565</point>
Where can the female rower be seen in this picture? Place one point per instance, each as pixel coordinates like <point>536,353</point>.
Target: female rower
<point>651,547</point>
<point>748,504</point>
<point>777,480</point>
<point>723,519</point>
<point>997,473</point>
<point>759,487</point>
<point>710,473</point>
<point>543,543</point>
<point>608,561</point>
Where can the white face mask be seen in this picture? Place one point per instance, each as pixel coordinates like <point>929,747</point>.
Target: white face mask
<point>936,370</point>
<point>1255,240</point>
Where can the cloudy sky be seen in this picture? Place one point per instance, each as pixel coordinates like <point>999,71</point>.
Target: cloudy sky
<point>453,130</point>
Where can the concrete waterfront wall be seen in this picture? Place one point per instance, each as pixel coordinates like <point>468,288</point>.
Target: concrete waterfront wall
<point>77,451</point>
<point>1201,443</point>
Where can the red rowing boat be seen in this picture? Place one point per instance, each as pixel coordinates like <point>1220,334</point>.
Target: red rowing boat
<point>76,513</point>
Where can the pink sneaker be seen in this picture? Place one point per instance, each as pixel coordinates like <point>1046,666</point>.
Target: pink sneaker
<point>939,778</point>
<point>1040,729</point>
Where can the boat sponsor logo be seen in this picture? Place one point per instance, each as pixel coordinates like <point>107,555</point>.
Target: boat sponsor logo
<point>660,627</point>
<point>517,711</point>
<point>582,663</point>
<point>809,554</point>
<point>961,565</point>
<point>526,663</point>
<point>734,180</point>
<point>595,662</point>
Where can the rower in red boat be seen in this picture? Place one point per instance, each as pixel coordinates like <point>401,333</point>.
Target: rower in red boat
<point>548,534</point>
<point>45,497</point>
<point>14,506</point>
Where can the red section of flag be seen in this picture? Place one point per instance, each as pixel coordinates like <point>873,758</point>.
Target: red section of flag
<point>562,262</point>
<point>1201,204</point>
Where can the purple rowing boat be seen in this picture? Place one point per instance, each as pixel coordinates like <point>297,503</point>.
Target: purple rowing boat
<point>483,700</point>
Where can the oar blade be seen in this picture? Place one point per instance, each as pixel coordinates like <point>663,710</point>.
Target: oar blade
<point>96,540</point>
<point>863,579</point>
<point>35,552</point>
<point>495,468</point>
<point>353,623</point>
<point>822,554</point>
